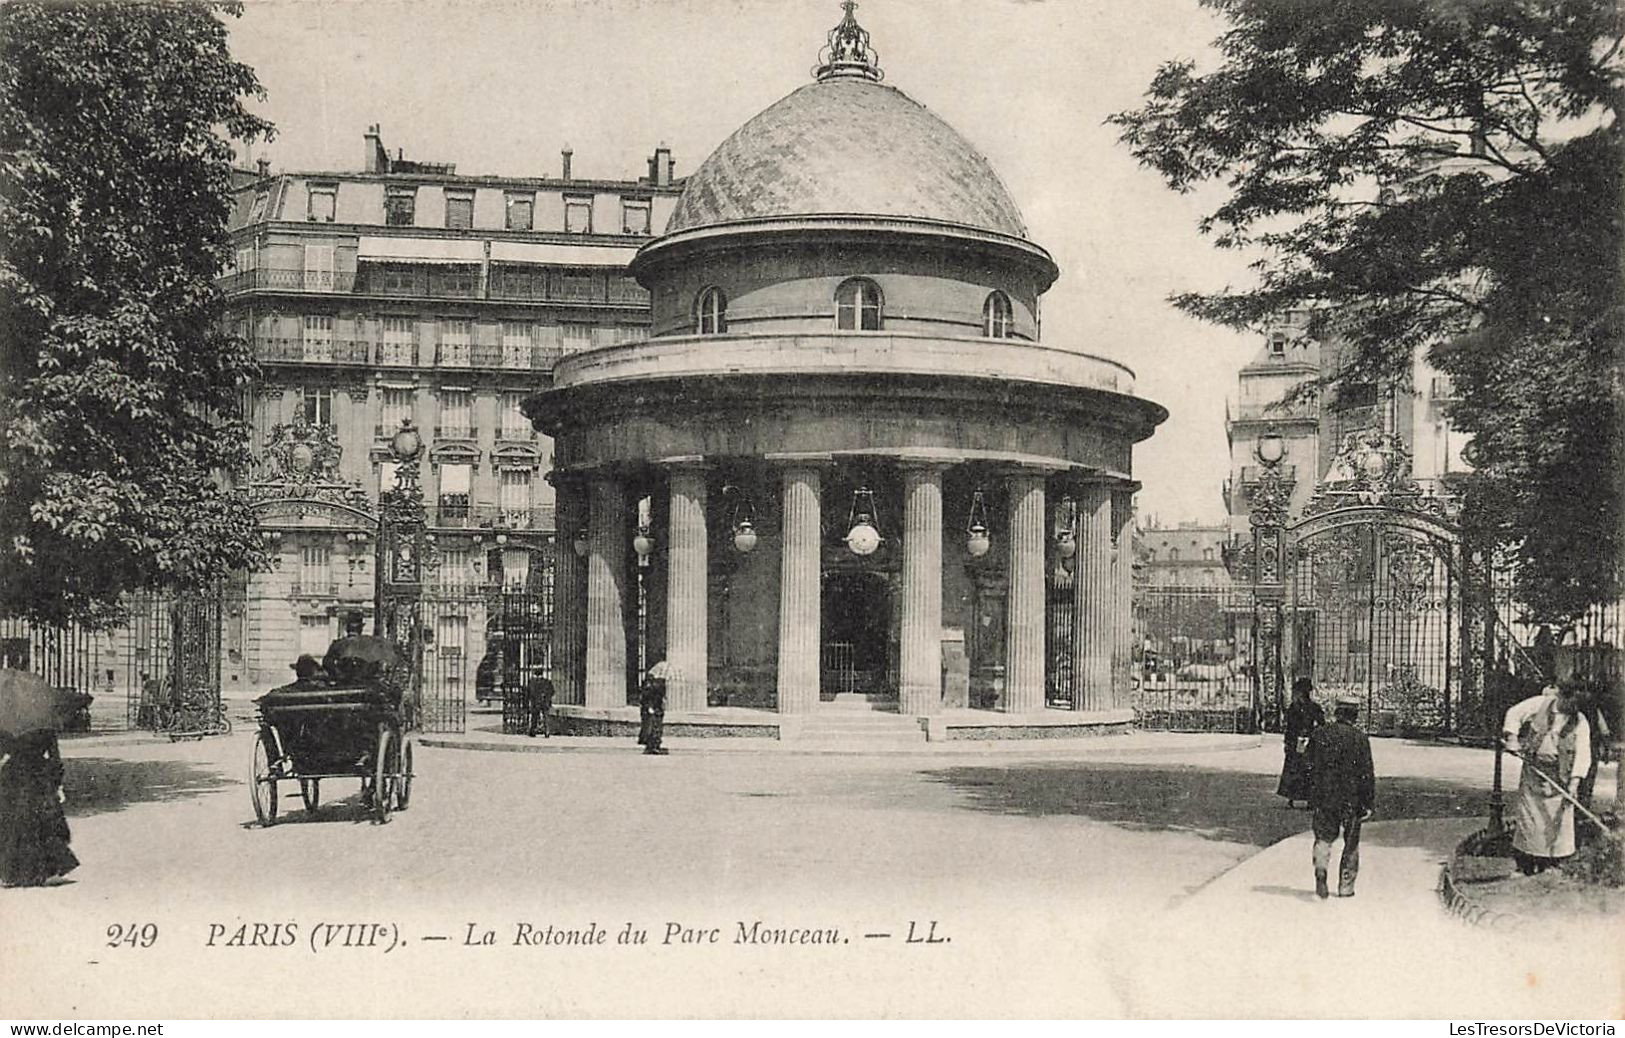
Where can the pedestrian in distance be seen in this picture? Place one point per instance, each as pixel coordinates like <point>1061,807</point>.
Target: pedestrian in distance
<point>1303,716</point>
<point>1342,793</point>
<point>539,703</point>
<point>33,828</point>
<point>652,709</point>
<point>1551,736</point>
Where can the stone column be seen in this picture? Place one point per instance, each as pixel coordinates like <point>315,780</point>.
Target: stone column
<point>1094,604</point>
<point>800,590</point>
<point>569,604</point>
<point>1123,592</point>
<point>921,648</point>
<point>1024,642</point>
<point>687,607</point>
<point>606,594</point>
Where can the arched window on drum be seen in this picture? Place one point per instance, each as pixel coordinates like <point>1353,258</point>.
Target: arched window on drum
<point>711,313</point>
<point>997,322</point>
<point>858,306</point>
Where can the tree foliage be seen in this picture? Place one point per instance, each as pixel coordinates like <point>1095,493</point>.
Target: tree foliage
<point>119,392</point>
<point>1438,175</point>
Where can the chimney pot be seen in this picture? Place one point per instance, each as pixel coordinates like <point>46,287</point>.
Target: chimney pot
<point>564,155</point>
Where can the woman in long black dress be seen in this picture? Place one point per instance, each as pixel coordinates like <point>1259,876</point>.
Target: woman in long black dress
<point>33,829</point>
<point>1302,717</point>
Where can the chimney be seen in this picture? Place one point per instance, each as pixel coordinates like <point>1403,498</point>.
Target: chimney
<point>660,166</point>
<point>264,166</point>
<point>564,162</point>
<point>377,159</point>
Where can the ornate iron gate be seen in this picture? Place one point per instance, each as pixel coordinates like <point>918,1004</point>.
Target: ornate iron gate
<point>1196,658</point>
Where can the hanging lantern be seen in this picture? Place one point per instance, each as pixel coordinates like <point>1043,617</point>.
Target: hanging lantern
<point>743,514</point>
<point>643,543</point>
<point>864,537</point>
<point>580,544</point>
<point>977,541</point>
<point>1066,545</point>
<point>744,537</point>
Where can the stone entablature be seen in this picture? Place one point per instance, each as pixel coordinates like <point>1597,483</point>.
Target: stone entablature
<point>891,353</point>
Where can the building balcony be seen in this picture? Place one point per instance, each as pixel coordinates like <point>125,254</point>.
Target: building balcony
<point>320,587</point>
<point>456,432</point>
<point>309,351</point>
<point>1252,474</point>
<point>439,283</point>
<point>451,514</point>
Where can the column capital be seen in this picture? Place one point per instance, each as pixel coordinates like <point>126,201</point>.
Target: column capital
<point>800,459</point>
<point>684,462</point>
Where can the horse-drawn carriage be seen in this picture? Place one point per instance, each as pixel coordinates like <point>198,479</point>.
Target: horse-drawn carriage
<point>348,717</point>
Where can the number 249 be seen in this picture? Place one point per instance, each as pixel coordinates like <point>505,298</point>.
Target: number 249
<point>144,935</point>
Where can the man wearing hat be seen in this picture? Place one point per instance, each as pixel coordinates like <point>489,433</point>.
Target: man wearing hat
<point>308,672</point>
<point>1342,790</point>
<point>539,702</point>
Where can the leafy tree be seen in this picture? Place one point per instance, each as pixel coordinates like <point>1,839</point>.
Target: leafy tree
<point>1439,175</point>
<point>118,390</point>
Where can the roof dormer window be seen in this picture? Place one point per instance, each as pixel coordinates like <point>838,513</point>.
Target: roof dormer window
<point>711,313</point>
<point>858,306</point>
<point>996,316</point>
<point>1278,344</point>
<point>322,203</point>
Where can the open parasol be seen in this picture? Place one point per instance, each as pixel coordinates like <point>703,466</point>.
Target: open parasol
<point>28,703</point>
<point>361,654</point>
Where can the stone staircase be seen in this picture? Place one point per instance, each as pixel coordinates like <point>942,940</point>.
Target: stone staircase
<point>858,723</point>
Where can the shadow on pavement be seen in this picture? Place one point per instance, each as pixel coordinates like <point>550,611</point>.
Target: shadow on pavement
<point>1232,806</point>
<point>1295,893</point>
<point>95,785</point>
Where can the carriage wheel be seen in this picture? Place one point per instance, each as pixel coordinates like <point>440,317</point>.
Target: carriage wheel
<point>403,779</point>
<point>310,791</point>
<point>383,776</point>
<point>264,782</point>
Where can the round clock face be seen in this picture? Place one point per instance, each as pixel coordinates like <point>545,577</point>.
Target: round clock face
<point>302,458</point>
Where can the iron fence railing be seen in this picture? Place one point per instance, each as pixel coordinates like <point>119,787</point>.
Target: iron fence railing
<point>450,282</point>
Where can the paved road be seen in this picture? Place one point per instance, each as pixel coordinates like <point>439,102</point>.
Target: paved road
<point>1049,879</point>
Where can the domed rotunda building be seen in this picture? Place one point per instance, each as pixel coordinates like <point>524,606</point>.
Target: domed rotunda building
<point>843,483</point>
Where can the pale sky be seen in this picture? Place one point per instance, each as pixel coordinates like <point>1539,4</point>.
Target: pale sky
<point>499,86</point>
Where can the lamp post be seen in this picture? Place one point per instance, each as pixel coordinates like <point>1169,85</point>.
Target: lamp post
<point>1267,517</point>
<point>403,544</point>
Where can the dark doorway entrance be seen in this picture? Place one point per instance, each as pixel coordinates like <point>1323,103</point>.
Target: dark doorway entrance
<point>857,643</point>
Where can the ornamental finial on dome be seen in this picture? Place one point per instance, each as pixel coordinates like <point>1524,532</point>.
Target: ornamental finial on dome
<point>848,52</point>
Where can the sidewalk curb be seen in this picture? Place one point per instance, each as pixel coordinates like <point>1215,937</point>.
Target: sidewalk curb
<point>1086,747</point>
<point>1462,905</point>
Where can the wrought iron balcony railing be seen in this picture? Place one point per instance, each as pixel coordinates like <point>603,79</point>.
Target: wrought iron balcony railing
<point>309,351</point>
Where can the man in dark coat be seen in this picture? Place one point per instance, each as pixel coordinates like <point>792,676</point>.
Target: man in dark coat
<point>1342,791</point>
<point>539,701</point>
<point>652,709</point>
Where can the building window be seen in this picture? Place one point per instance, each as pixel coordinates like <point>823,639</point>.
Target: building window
<point>580,287</point>
<point>628,333</point>
<point>322,202</point>
<point>456,343</point>
<point>397,406</point>
<point>577,336</point>
<point>454,484</point>
<point>1173,554</point>
<point>1207,554</point>
<point>397,341</point>
<point>1278,344</point>
<point>318,268</point>
<point>258,209</point>
<point>515,426</point>
<point>400,206</point>
<point>459,210</point>
<point>858,306</point>
<point>315,569</point>
<point>516,497</point>
<point>318,406</point>
<point>318,338</point>
<point>635,216</point>
<point>454,567</point>
<point>711,313</point>
<point>516,337</point>
<point>996,316</point>
<point>456,408</point>
<point>521,211</point>
<point>577,215</point>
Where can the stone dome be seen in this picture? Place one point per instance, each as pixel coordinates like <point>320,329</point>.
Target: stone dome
<point>848,146</point>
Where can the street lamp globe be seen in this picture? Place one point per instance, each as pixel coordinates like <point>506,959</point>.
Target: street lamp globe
<point>406,442</point>
<point>977,543</point>
<point>1271,448</point>
<point>863,538</point>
